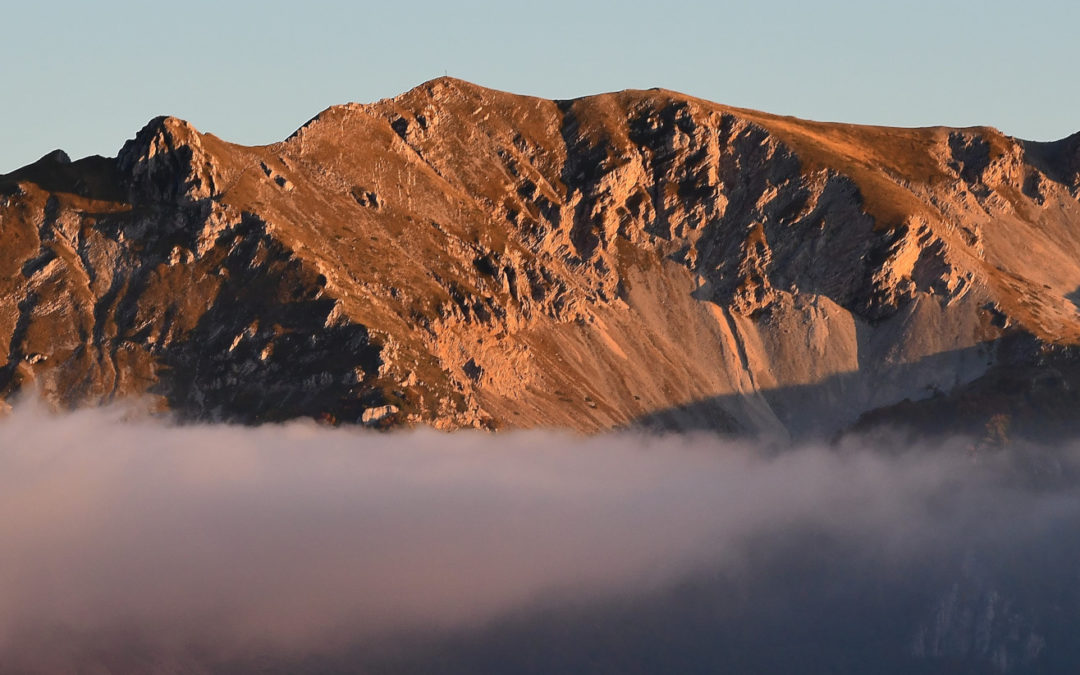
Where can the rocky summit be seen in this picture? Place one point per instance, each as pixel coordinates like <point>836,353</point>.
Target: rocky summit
<point>463,257</point>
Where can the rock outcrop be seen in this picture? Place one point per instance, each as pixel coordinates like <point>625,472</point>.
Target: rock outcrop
<point>463,257</point>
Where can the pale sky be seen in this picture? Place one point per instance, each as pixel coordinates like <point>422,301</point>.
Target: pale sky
<point>85,76</point>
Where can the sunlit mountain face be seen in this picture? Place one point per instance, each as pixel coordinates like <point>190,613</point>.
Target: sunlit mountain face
<point>459,257</point>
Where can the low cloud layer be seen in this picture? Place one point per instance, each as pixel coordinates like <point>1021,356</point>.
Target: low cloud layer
<point>215,543</point>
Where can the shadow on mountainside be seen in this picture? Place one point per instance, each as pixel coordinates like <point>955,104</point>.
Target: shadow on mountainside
<point>1058,160</point>
<point>218,317</point>
<point>1037,400</point>
<point>1074,298</point>
<point>95,177</point>
<point>1039,393</point>
<point>268,347</point>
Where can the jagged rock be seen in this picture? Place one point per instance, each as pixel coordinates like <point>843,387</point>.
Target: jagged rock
<point>467,257</point>
<point>166,162</point>
<point>376,415</point>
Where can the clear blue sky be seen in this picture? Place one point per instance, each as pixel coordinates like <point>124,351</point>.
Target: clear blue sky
<point>85,76</point>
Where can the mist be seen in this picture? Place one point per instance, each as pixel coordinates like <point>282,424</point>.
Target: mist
<point>129,544</point>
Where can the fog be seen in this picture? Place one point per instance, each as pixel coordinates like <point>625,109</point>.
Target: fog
<point>132,543</point>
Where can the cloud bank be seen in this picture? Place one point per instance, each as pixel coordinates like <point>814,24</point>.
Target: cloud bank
<point>130,543</point>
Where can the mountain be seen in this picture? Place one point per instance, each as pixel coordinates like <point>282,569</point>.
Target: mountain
<point>463,257</point>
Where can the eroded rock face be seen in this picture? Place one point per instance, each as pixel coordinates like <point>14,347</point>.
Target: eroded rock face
<point>166,163</point>
<point>458,256</point>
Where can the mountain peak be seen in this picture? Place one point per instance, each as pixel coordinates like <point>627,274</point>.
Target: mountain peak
<point>166,162</point>
<point>163,133</point>
<point>439,86</point>
<point>57,156</point>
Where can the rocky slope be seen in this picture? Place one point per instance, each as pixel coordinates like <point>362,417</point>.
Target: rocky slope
<point>464,257</point>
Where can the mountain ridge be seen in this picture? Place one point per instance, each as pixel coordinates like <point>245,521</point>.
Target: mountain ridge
<point>459,256</point>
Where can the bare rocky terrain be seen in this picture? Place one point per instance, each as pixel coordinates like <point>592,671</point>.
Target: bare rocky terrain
<point>462,257</point>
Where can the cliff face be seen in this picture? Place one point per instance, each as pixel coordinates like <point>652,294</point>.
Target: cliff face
<point>464,257</point>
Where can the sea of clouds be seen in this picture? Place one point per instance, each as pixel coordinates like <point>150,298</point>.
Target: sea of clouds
<point>132,543</point>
